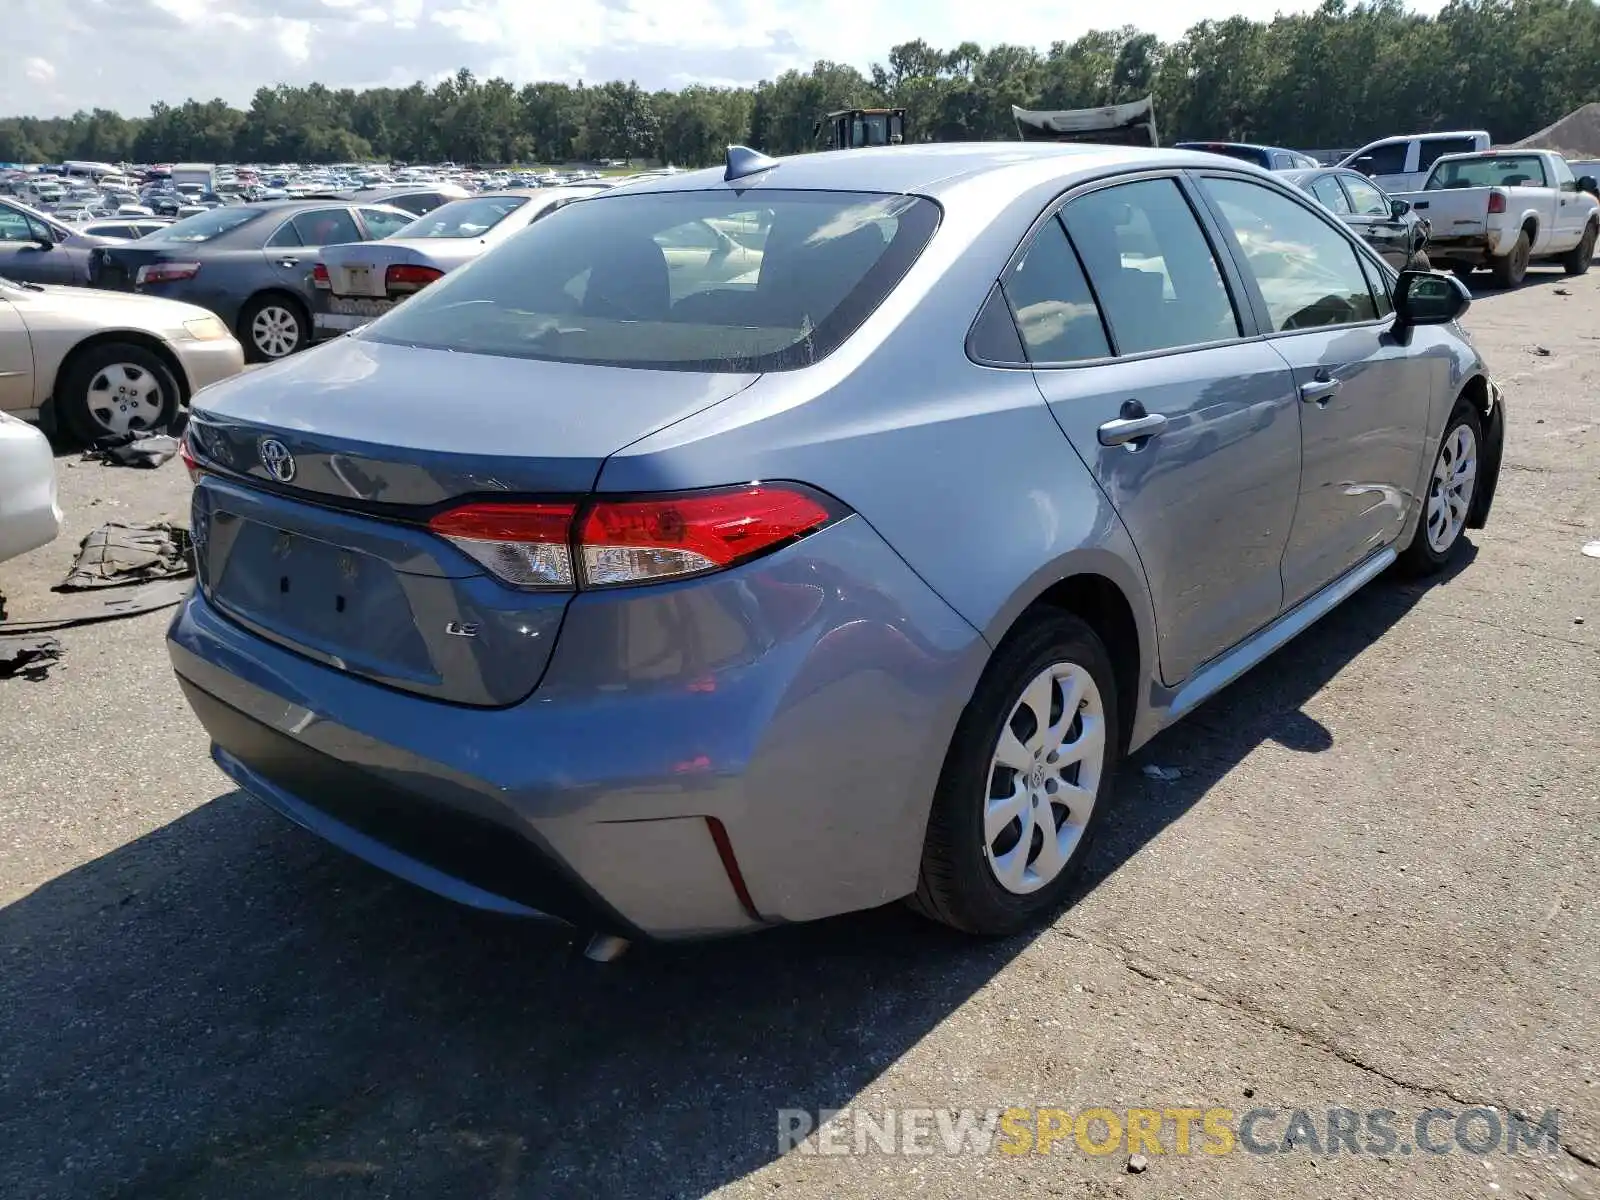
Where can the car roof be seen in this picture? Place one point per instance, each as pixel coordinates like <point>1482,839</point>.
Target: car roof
<point>929,169</point>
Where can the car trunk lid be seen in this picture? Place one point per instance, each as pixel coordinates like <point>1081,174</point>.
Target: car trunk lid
<point>318,477</point>
<point>359,270</point>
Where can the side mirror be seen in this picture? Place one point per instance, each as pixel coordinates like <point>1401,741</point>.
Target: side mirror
<point>1399,208</point>
<point>1586,183</point>
<point>1429,298</point>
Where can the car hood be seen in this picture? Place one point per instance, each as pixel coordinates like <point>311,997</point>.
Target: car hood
<point>57,306</point>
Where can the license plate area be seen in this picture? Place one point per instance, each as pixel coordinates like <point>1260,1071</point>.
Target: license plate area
<point>341,604</point>
<point>359,280</point>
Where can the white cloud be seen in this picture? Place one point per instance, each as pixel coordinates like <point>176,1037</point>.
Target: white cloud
<point>38,70</point>
<point>228,48</point>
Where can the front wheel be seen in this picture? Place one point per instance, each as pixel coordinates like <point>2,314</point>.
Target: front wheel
<point>273,327</point>
<point>1026,780</point>
<point>1452,487</point>
<point>116,388</point>
<point>1577,260</point>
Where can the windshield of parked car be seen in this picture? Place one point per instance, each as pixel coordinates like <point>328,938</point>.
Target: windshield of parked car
<point>1503,170</point>
<point>463,218</point>
<point>212,223</point>
<point>692,281</point>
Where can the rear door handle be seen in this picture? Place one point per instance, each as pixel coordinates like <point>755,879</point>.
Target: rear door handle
<point>1131,429</point>
<point>1320,391</point>
<point>288,262</point>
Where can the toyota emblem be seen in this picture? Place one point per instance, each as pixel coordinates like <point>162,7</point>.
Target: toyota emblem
<point>275,457</point>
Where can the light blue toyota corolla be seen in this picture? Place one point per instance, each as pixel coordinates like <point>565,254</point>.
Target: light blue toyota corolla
<point>751,545</point>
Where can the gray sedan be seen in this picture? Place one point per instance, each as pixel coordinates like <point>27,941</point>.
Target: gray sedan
<point>606,582</point>
<point>364,280</point>
<point>35,248</point>
<point>250,264</point>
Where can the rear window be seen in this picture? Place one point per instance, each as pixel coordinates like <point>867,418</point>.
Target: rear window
<point>1250,154</point>
<point>212,223</point>
<point>464,218</point>
<point>1502,170</point>
<point>692,281</point>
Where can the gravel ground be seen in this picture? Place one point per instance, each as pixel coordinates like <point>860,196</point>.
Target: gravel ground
<point>1374,886</point>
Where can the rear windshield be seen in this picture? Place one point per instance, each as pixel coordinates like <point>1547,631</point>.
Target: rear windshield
<point>692,281</point>
<point>204,226</point>
<point>1503,170</point>
<point>463,218</point>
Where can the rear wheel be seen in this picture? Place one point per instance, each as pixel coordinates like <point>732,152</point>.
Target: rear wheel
<point>273,327</point>
<point>1452,487</point>
<point>1025,782</point>
<point>116,388</point>
<point>1577,260</point>
<point>1509,270</point>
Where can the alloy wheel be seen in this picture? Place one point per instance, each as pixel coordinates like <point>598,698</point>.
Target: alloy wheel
<point>124,397</point>
<point>1044,777</point>
<point>275,331</point>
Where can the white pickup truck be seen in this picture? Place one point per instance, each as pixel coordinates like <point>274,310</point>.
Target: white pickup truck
<point>1505,209</point>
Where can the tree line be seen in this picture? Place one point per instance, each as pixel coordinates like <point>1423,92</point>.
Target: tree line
<point>1338,76</point>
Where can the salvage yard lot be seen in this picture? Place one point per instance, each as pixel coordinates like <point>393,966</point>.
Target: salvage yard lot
<point>1374,885</point>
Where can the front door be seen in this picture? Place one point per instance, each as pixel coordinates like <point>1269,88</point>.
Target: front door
<point>28,249</point>
<point>1191,431</point>
<point>16,362</point>
<point>1372,216</point>
<point>1364,396</point>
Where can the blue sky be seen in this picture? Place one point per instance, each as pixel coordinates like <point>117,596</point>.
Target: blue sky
<point>63,55</point>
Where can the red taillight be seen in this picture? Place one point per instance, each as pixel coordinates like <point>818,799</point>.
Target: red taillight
<point>165,272</point>
<point>402,277</point>
<point>190,462</point>
<point>319,276</point>
<point>632,541</point>
<point>524,544</point>
<point>1497,202</point>
<point>636,540</point>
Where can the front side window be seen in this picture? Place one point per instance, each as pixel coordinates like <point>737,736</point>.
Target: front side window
<point>1055,311</point>
<point>14,226</point>
<point>1328,191</point>
<point>1386,158</point>
<point>1366,199</point>
<point>1309,274</point>
<point>1151,267</point>
<point>695,281</point>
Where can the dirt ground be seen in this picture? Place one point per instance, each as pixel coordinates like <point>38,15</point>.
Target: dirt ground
<point>1374,886</point>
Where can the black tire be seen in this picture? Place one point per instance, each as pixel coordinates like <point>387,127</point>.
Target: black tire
<point>1423,556</point>
<point>1578,260</point>
<point>1462,271</point>
<point>90,402</point>
<point>957,885</point>
<point>260,348</point>
<point>1509,270</point>
<point>1418,262</point>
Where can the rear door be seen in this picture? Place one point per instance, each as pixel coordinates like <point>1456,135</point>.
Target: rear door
<point>293,249</point>
<point>1191,429</point>
<point>1364,396</point>
<point>1373,217</point>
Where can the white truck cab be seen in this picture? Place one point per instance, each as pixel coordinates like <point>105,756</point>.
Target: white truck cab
<point>1402,163</point>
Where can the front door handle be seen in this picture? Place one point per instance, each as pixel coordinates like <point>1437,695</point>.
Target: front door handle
<point>1320,391</point>
<point>1134,425</point>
